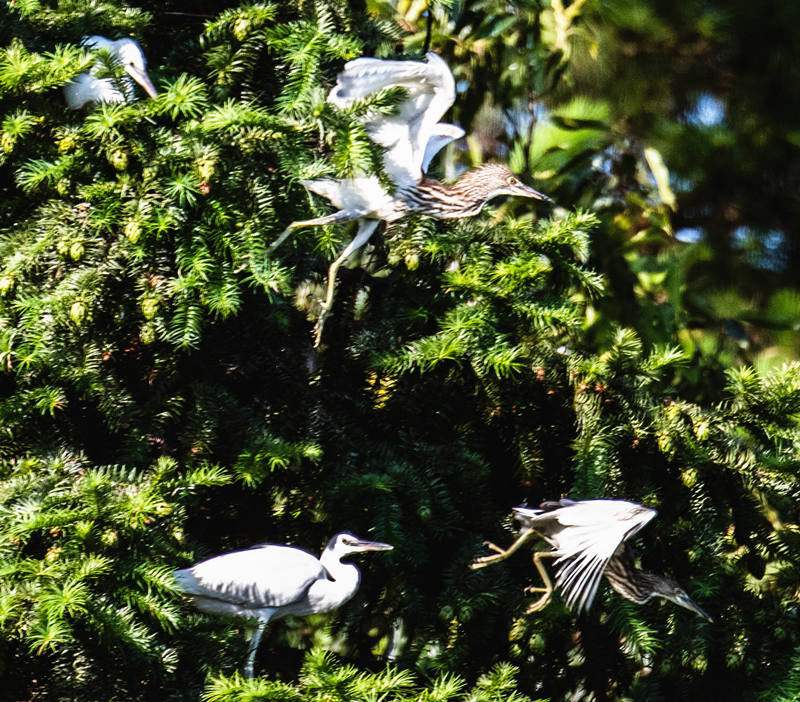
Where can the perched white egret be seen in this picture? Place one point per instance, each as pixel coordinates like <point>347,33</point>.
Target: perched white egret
<point>410,138</point>
<point>271,581</point>
<point>87,87</point>
<point>589,538</point>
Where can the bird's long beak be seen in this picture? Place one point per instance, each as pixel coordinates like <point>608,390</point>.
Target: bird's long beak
<point>142,79</point>
<point>685,601</point>
<point>372,546</point>
<point>526,191</point>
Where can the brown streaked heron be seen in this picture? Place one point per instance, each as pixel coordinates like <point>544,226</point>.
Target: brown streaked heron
<point>410,138</point>
<point>271,581</point>
<point>589,540</point>
<point>87,87</point>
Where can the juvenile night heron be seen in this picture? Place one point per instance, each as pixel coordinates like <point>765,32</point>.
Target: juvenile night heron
<point>271,581</point>
<point>589,539</point>
<point>87,87</point>
<point>410,138</point>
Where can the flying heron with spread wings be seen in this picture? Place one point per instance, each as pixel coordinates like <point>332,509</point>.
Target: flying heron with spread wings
<point>589,540</point>
<point>410,137</point>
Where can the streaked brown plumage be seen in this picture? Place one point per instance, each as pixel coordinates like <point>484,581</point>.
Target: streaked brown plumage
<point>588,540</point>
<point>410,137</point>
<point>467,196</point>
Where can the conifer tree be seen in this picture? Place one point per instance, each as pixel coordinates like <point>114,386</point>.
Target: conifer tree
<point>161,400</point>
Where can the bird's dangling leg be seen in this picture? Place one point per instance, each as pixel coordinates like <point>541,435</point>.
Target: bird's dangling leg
<point>483,561</point>
<point>366,227</point>
<point>548,585</point>
<point>252,647</point>
<point>334,218</point>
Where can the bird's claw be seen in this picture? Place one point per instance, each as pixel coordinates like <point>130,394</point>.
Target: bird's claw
<point>483,561</point>
<point>540,603</point>
<point>531,588</point>
<point>319,325</point>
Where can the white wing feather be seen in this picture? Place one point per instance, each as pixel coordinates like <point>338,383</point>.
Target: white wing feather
<point>363,196</point>
<point>249,577</point>
<point>595,529</point>
<point>442,135</point>
<point>586,535</point>
<point>405,134</point>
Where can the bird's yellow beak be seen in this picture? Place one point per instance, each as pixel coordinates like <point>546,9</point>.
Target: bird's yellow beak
<point>142,79</point>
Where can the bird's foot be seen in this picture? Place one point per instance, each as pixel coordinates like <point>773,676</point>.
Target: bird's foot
<point>483,561</point>
<point>323,315</point>
<point>541,603</point>
<point>531,588</point>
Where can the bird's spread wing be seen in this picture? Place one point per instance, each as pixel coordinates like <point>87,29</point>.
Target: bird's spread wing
<point>405,134</point>
<point>442,134</point>
<point>264,576</point>
<point>592,531</point>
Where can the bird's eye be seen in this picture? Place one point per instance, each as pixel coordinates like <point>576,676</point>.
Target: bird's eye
<point>512,180</point>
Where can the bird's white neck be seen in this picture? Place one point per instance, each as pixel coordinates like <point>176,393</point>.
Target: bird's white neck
<point>329,594</point>
<point>340,572</point>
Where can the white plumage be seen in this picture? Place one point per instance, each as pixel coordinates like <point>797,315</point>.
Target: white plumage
<point>414,131</point>
<point>87,87</point>
<point>584,536</point>
<point>362,196</point>
<point>410,137</point>
<point>234,583</point>
<point>441,135</point>
<point>589,540</point>
<point>271,581</point>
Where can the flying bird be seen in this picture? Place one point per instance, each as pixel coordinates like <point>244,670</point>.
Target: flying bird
<point>87,87</point>
<point>410,138</point>
<point>271,581</point>
<point>589,540</point>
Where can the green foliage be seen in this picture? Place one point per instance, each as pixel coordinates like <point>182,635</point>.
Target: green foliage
<point>161,402</point>
<point>503,287</point>
<point>323,678</point>
<point>22,71</point>
<point>86,556</point>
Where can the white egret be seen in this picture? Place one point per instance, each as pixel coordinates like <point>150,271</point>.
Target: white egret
<point>88,88</point>
<point>271,581</point>
<point>589,538</point>
<point>410,138</point>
